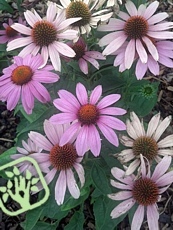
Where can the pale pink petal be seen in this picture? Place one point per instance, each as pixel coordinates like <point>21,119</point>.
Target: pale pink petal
<point>69,133</point>
<point>64,49</point>
<point>41,157</point>
<point>49,177</point>
<point>72,185</point>
<point>51,12</point>
<point>69,97</point>
<point>153,124</point>
<point>95,94</point>
<point>141,51</point>
<point>109,38</point>
<point>162,127</point>
<point>123,15</point>
<point>138,218</point>
<point>161,168</point>
<point>112,111</point>
<point>60,187</point>
<point>109,134</point>
<point>151,9</point>
<point>165,179</point>
<point>131,131</point>
<point>137,125</point>
<point>165,152</point>
<point>27,50</point>
<point>122,208</point>
<point>30,18</point>
<point>157,18</point>
<point>120,185</point>
<point>92,61</point>
<point>17,156</point>
<point>141,69</point>
<point>152,217</point>
<point>151,48</point>
<point>166,142</point>
<point>82,142</point>
<point>131,8</point>
<point>127,141</point>
<point>153,66</point>
<point>80,172</point>
<point>50,131</point>
<point>132,167</point>
<point>40,140</point>
<point>130,53</point>
<point>95,55</point>
<point>122,195</point>
<point>81,94</point>
<point>112,122</point>
<point>19,42</point>
<point>83,65</point>
<point>160,34</point>
<point>68,34</point>
<point>63,118</point>
<point>21,28</point>
<point>119,174</point>
<point>108,100</point>
<point>13,98</point>
<point>54,57</point>
<point>114,45</point>
<point>94,140</point>
<point>68,22</point>
<point>114,24</point>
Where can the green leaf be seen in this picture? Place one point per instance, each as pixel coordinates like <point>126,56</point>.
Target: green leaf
<point>103,207</point>
<point>16,171</point>
<point>99,179</point>
<point>9,184</point>
<point>34,189</point>
<point>34,180</point>
<point>4,6</point>
<point>5,156</point>
<point>5,197</point>
<point>28,175</point>
<point>45,226</point>
<point>76,222</point>
<point>9,174</point>
<point>3,189</point>
<point>72,203</point>
<point>32,217</point>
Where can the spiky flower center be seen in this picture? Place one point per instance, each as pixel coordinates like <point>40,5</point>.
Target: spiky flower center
<point>136,27</point>
<point>21,75</point>
<point>10,32</point>
<point>146,146</point>
<point>79,50</point>
<point>79,9</point>
<point>63,157</point>
<point>88,114</point>
<point>44,33</point>
<point>145,191</point>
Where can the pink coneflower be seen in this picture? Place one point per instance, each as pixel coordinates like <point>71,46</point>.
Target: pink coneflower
<point>88,113</point>
<point>9,33</point>
<point>165,52</point>
<point>46,35</point>
<point>60,159</point>
<point>32,150</point>
<point>22,79</point>
<point>86,10</point>
<point>83,55</point>
<point>139,27</point>
<point>144,142</point>
<point>144,191</point>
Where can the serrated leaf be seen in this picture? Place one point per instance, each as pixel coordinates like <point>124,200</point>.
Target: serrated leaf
<point>3,189</point>
<point>16,171</point>
<point>28,175</point>
<point>9,184</point>
<point>9,174</point>
<point>76,222</point>
<point>100,180</point>
<point>34,189</point>
<point>34,180</point>
<point>4,6</point>
<point>5,197</point>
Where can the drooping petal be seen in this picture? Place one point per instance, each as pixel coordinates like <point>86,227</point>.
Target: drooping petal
<point>138,218</point>
<point>152,217</point>
<point>60,188</point>
<point>72,185</point>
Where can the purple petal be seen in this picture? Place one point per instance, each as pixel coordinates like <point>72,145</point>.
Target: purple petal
<point>108,100</point>
<point>60,188</point>
<point>81,94</point>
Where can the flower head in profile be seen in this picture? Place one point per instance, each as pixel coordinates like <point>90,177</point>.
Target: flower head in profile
<point>88,114</point>
<point>23,80</point>
<point>61,160</point>
<point>86,10</point>
<point>140,28</point>
<point>143,142</point>
<point>165,52</point>
<point>83,55</point>
<point>32,150</point>
<point>45,36</point>
<point>9,34</point>
<point>144,191</point>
